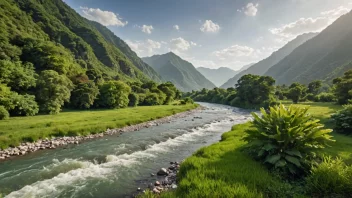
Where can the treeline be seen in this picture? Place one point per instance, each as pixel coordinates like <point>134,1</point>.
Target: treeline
<point>24,92</point>
<point>254,91</point>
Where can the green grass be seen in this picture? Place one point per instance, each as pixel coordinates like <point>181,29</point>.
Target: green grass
<point>223,170</point>
<point>72,123</point>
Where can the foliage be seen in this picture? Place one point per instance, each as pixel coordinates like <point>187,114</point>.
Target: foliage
<point>286,138</point>
<point>84,95</point>
<point>113,94</point>
<point>151,99</point>
<point>343,120</point>
<point>223,170</point>
<point>133,99</point>
<point>4,114</point>
<point>22,105</point>
<point>314,86</point>
<point>52,91</point>
<point>332,178</point>
<point>187,100</point>
<point>325,97</point>
<point>343,88</point>
<point>296,92</point>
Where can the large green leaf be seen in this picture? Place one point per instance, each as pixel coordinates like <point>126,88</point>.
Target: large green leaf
<point>294,153</point>
<point>293,160</point>
<point>272,159</point>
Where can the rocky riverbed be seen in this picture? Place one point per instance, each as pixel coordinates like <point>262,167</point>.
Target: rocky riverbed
<point>29,147</point>
<point>168,182</point>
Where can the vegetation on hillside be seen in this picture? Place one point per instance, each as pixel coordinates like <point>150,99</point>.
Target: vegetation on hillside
<point>178,71</point>
<point>324,57</point>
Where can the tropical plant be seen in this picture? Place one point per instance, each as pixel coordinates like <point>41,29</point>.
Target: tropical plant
<point>343,88</point>
<point>4,114</point>
<point>331,178</point>
<point>286,138</point>
<point>343,120</point>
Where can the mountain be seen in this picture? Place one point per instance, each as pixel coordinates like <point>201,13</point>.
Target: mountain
<point>217,76</point>
<point>178,71</point>
<point>32,30</point>
<point>326,56</point>
<point>262,66</point>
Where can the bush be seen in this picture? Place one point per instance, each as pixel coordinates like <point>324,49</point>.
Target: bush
<point>114,94</point>
<point>325,97</point>
<point>343,120</point>
<point>332,178</point>
<point>84,95</point>
<point>4,114</point>
<point>133,100</point>
<point>284,139</point>
<point>187,100</point>
<point>23,105</point>
<point>151,99</point>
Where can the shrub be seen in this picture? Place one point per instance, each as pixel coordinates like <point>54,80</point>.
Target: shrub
<point>332,178</point>
<point>133,99</point>
<point>23,105</point>
<point>4,114</point>
<point>343,120</point>
<point>84,95</point>
<point>187,100</point>
<point>114,94</point>
<point>325,97</point>
<point>284,139</point>
<point>151,99</point>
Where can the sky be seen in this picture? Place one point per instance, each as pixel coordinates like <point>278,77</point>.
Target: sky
<point>211,33</point>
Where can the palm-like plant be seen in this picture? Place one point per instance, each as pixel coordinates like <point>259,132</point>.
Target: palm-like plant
<point>285,138</point>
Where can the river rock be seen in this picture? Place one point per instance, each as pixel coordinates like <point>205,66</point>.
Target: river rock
<point>156,191</point>
<point>162,172</point>
<point>157,183</point>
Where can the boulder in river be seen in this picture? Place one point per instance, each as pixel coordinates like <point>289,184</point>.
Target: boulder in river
<point>162,172</point>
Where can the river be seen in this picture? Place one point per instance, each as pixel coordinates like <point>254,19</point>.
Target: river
<point>114,166</point>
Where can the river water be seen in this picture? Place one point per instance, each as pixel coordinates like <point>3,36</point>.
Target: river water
<point>114,166</point>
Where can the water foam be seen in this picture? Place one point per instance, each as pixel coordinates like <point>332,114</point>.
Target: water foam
<point>53,187</point>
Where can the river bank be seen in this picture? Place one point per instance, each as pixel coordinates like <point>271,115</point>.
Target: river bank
<point>30,147</point>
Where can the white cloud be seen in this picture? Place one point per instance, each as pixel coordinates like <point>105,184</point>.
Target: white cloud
<point>179,44</point>
<point>106,18</point>
<point>176,27</point>
<point>147,29</point>
<point>305,25</point>
<point>144,48</point>
<point>251,9</point>
<point>209,26</point>
<point>233,52</point>
<point>193,43</point>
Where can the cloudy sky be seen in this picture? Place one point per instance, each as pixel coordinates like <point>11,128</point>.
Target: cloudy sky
<point>211,33</point>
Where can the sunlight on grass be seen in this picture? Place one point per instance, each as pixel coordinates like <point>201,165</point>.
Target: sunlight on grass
<point>71,123</point>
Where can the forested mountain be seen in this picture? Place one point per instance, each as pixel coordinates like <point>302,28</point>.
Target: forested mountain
<point>261,67</point>
<point>326,56</point>
<point>51,35</point>
<point>217,76</point>
<point>178,71</point>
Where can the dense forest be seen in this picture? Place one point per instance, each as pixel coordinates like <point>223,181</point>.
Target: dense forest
<point>51,57</point>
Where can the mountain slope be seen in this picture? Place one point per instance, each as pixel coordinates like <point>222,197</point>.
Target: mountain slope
<point>262,66</point>
<point>217,76</point>
<point>323,57</point>
<point>52,22</point>
<point>178,71</point>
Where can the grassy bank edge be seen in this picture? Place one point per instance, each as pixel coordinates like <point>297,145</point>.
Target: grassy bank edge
<point>17,130</point>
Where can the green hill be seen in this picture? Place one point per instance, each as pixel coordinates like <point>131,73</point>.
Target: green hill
<point>217,76</point>
<point>262,66</point>
<point>34,30</point>
<point>326,56</point>
<point>178,71</point>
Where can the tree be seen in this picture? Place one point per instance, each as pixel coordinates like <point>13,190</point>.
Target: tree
<point>84,95</point>
<point>254,90</point>
<point>114,94</point>
<point>343,88</point>
<point>52,91</point>
<point>296,92</point>
<point>133,100</point>
<point>169,90</point>
<point>23,105</point>
<point>151,99</point>
<point>20,77</point>
<point>314,87</point>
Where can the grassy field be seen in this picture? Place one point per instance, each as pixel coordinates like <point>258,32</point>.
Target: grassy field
<point>71,123</point>
<point>222,170</point>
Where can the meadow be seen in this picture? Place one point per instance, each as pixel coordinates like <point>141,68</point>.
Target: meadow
<point>71,123</point>
<point>224,170</point>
